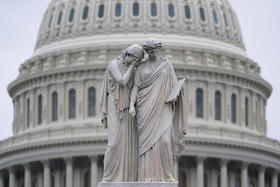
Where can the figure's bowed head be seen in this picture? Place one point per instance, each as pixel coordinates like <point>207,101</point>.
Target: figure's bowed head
<point>133,55</point>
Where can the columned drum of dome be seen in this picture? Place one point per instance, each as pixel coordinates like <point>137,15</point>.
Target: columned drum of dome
<point>226,141</point>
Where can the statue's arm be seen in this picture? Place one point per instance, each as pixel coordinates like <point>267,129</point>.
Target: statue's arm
<point>133,97</point>
<point>116,73</point>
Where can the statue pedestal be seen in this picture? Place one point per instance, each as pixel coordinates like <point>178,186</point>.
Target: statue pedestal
<point>138,184</point>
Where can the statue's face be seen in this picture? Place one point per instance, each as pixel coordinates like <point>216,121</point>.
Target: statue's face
<point>152,52</point>
<point>130,58</point>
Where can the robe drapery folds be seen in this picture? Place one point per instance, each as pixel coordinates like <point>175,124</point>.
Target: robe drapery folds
<point>161,125</point>
<point>120,161</point>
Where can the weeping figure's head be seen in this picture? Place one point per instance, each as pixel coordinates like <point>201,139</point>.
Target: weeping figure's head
<point>133,53</point>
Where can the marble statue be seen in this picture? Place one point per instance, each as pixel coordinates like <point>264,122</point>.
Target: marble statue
<point>157,101</point>
<point>120,162</point>
<point>143,108</point>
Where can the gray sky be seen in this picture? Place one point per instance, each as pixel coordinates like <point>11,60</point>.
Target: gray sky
<point>20,20</point>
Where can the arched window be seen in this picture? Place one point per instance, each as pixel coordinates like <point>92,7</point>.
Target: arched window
<point>72,103</point>
<point>101,11</point>
<point>237,181</point>
<point>64,180</point>
<point>153,9</point>
<point>54,106</point>
<point>50,22</point>
<point>87,179</point>
<point>28,113</point>
<point>135,9</point>
<point>40,109</point>
<point>218,105</point>
<point>71,15</point>
<point>85,12</point>
<point>215,18</point>
<point>252,184</point>
<point>202,14</point>
<point>188,12</point>
<point>59,18</point>
<point>34,181</point>
<point>246,111</point>
<point>171,11</point>
<point>199,103</point>
<point>118,9</point>
<point>182,178</point>
<point>52,181</point>
<point>219,180</point>
<point>233,108</point>
<point>206,180</point>
<point>91,101</point>
<point>225,19</point>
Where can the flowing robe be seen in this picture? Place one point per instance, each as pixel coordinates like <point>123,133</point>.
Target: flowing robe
<point>161,124</point>
<point>120,161</point>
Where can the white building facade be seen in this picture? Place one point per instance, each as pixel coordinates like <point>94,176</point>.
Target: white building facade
<point>58,139</point>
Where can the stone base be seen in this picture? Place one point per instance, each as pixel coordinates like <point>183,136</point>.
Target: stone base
<point>138,184</point>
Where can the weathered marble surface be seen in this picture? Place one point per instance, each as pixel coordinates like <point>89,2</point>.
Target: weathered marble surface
<point>138,184</point>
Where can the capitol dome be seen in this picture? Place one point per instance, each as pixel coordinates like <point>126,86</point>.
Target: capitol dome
<point>58,139</point>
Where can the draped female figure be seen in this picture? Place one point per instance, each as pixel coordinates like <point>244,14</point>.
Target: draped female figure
<point>160,123</point>
<point>120,161</point>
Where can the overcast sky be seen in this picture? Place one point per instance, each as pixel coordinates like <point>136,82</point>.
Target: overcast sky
<point>259,19</point>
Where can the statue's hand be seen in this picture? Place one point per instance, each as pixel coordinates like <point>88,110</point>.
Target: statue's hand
<point>132,111</point>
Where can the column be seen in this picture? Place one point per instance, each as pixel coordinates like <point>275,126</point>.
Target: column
<point>244,175</point>
<point>1,179</point>
<point>93,171</point>
<point>69,172</point>
<point>224,173</point>
<point>27,175</point>
<point>11,177</point>
<point>275,178</point>
<point>261,176</point>
<point>47,173</point>
<point>200,172</point>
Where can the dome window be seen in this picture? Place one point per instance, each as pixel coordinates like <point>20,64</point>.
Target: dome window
<point>59,18</point>
<point>202,14</point>
<point>153,9</point>
<point>218,105</point>
<point>225,20</point>
<point>187,12</point>
<point>101,11</point>
<point>71,15</point>
<point>40,109</point>
<point>171,11</point>
<point>199,103</point>
<point>91,101</point>
<point>54,106</point>
<point>246,111</point>
<point>136,9</point>
<point>215,18</point>
<point>233,108</point>
<point>72,104</point>
<point>85,12</point>
<point>118,9</point>
<point>28,113</point>
<point>50,22</point>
